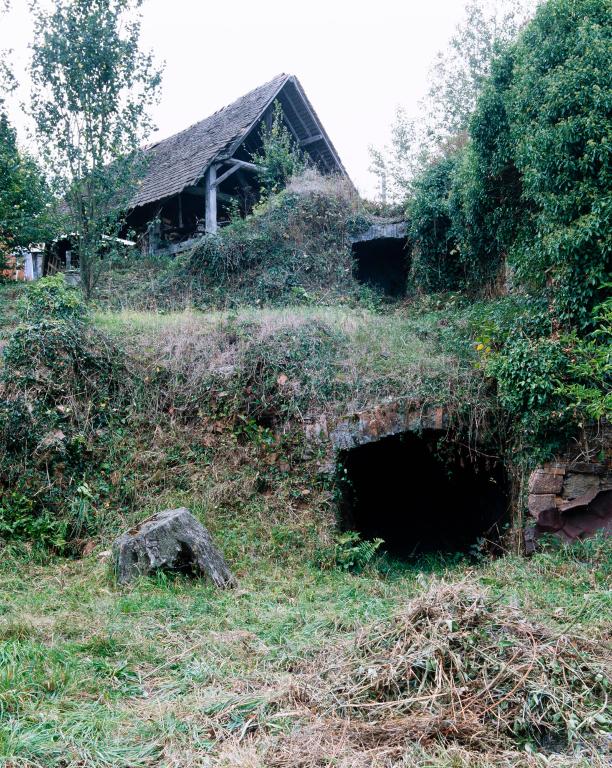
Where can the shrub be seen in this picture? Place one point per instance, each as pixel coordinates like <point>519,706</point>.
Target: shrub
<point>559,106</point>
<point>532,185</point>
<point>534,377</point>
<point>435,263</point>
<point>280,156</point>
<point>52,298</point>
<point>588,387</point>
<point>61,387</point>
<point>287,372</point>
<point>485,200</point>
<point>293,246</point>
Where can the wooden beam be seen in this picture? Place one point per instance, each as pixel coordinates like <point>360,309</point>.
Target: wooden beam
<point>332,151</point>
<point>227,174</point>
<point>238,165</point>
<point>211,199</point>
<point>201,192</point>
<point>243,164</point>
<point>311,140</point>
<point>289,98</point>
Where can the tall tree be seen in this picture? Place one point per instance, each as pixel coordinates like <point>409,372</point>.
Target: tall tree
<point>23,193</point>
<point>92,88</point>
<point>560,108</point>
<point>460,71</point>
<point>396,164</point>
<point>456,79</point>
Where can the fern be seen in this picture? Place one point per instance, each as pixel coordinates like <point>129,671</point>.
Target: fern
<point>353,554</point>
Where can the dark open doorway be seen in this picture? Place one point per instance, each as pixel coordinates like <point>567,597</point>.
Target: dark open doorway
<point>382,263</point>
<point>400,489</point>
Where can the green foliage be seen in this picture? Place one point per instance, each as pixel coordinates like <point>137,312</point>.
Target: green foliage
<point>23,194</point>
<point>91,91</point>
<point>588,388</point>
<point>280,156</point>
<point>559,106</point>
<point>19,519</point>
<point>61,387</point>
<point>553,386</point>
<point>531,189</point>
<point>456,80</point>
<point>461,71</point>
<point>532,185</point>
<point>435,262</point>
<point>528,374</point>
<point>73,650</point>
<point>51,298</point>
<point>289,371</point>
<point>493,156</point>
<point>399,164</point>
<point>292,250</point>
<point>485,200</point>
<point>351,553</point>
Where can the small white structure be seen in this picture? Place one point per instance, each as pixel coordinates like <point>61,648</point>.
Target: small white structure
<point>33,262</point>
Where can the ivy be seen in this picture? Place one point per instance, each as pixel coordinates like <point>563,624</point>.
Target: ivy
<point>559,107</point>
<point>62,390</point>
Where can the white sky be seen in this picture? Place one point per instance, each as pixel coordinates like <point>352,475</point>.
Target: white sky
<point>357,60</point>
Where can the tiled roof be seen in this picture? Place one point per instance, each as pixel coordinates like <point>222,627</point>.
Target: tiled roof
<point>181,160</point>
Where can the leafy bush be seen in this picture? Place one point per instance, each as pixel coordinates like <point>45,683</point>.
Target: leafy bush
<point>487,206</point>
<point>435,266</point>
<point>552,385</point>
<point>61,387</point>
<point>559,106</point>
<point>531,189</point>
<point>52,298</point>
<point>280,156</point>
<point>293,249</point>
<point>588,388</point>
<point>532,184</point>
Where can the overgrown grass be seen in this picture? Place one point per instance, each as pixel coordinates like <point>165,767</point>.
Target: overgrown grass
<point>170,672</point>
<point>9,295</point>
<point>294,248</point>
<point>408,353</point>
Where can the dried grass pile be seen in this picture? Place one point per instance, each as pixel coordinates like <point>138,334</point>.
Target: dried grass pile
<point>455,669</point>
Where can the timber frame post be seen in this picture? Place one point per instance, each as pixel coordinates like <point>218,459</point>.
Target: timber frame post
<point>210,184</point>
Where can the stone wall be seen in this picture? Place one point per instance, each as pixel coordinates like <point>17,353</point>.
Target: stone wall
<point>382,230</point>
<point>571,500</point>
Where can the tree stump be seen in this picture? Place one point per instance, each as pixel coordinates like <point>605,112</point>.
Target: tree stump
<point>172,540</point>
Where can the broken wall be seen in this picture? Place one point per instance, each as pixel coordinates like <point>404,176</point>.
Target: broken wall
<point>571,500</point>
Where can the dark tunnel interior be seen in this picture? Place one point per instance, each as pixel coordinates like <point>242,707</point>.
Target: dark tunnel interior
<point>382,263</point>
<point>399,489</point>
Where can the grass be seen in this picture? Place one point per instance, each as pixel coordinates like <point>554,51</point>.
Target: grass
<point>9,294</point>
<point>171,672</point>
<point>406,353</point>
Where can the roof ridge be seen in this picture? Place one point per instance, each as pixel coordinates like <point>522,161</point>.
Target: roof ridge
<point>181,160</point>
<point>279,78</point>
